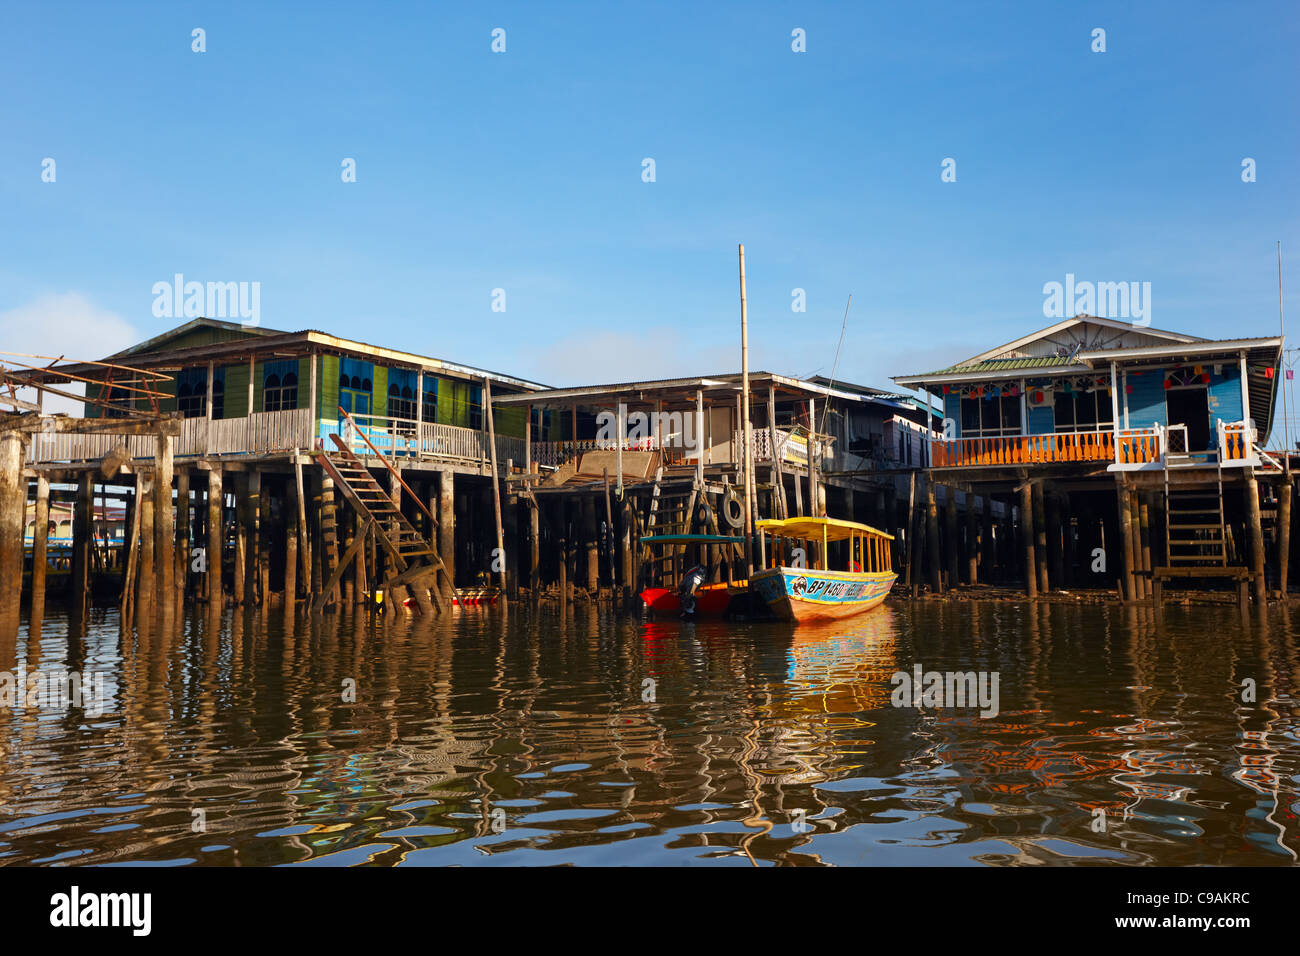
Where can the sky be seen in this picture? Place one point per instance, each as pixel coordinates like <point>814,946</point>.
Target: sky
<point>524,171</point>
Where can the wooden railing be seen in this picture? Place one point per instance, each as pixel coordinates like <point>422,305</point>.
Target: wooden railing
<point>396,438</point>
<point>1139,446</point>
<point>552,454</point>
<point>1235,441</point>
<point>257,434</point>
<point>1024,449</point>
<point>265,433</point>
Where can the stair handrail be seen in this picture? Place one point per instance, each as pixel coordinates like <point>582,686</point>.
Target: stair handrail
<point>433,522</point>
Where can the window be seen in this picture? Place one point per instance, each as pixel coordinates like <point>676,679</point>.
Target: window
<point>119,400</point>
<point>990,415</point>
<point>280,386</point>
<point>401,396</point>
<point>541,420</point>
<point>430,399</point>
<point>1080,411</point>
<point>475,406</point>
<point>192,391</point>
<point>355,386</point>
<point>219,395</point>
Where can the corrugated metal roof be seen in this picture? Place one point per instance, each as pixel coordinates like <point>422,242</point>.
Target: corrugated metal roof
<point>1006,365</point>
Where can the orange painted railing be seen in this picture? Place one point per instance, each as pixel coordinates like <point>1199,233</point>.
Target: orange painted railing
<point>1025,449</point>
<point>1234,441</point>
<point>1137,446</point>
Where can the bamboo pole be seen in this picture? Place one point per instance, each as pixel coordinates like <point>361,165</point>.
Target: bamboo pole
<point>747,429</point>
<point>496,485</point>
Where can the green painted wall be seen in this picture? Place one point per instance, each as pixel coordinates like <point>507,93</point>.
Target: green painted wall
<point>328,385</point>
<point>379,393</point>
<point>236,391</point>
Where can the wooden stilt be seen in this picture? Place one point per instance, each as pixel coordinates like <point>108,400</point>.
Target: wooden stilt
<point>40,544</point>
<point>1040,539</point>
<point>290,513</point>
<point>164,520</point>
<point>13,515</point>
<point>182,531</point>
<point>1256,538</point>
<point>216,537</point>
<point>935,560</point>
<point>1027,538</point>
<point>972,539</point>
<point>950,531</point>
<point>1285,492</point>
<point>1123,494</point>
<point>146,583</point>
<point>447,530</point>
<point>82,528</point>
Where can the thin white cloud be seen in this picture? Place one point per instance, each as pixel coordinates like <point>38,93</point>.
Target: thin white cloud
<point>64,325</point>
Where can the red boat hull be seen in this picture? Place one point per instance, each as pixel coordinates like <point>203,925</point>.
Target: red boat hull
<point>711,600</point>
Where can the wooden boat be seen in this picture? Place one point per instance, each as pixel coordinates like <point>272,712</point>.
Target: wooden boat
<point>802,594</point>
<point>673,565</point>
<point>475,597</point>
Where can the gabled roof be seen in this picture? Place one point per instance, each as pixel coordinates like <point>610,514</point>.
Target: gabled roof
<point>148,345</point>
<point>1084,323</point>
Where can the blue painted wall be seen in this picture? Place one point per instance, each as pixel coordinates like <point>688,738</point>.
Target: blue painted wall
<point>1146,401</point>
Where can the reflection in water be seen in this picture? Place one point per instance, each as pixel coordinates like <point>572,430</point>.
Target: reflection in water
<point>1123,737</point>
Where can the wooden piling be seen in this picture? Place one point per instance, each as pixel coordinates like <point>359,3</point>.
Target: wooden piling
<point>592,543</point>
<point>1125,508</point>
<point>1040,539</point>
<point>40,544</point>
<point>1285,491</point>
<point>164,520</point>
<point>1256,538</point>
<point>1055,556</point>
<point>216,537</point>
<point>935,561</point>
<point>146,583</point>
<point>972,539</point>
<point>264,545</point>
<point>950,531</point>
<point>182,530</point>
<point>1144,544</point>
<point>1027,538</point>
<point>240,582</point>
<point>83,516</point>
<point>13,515</point>
<point>447,529</point>
<point>290,513</point>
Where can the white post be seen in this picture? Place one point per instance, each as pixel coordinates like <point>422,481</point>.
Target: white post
<point>1114,407</point>
<point>618,440</point>
<point>207,428</point>
<point>419,410</point>
<point>1245,410</point>
<point>699,436</point>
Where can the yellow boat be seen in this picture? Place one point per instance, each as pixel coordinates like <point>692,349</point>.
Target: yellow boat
<point>797,593</point>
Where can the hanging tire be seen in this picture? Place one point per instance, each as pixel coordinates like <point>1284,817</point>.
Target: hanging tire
<point>733,512</point>
<point>704,514</point>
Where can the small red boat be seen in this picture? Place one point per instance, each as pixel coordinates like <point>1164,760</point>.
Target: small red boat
<point>672,565</point>
<point>712,599</point>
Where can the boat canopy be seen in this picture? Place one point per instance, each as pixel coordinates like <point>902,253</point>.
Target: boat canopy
<point>817,529</point>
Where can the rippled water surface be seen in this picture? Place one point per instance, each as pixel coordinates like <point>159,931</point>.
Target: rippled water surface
<point>530,738</point>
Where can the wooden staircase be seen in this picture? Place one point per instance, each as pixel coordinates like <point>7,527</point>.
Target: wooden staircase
<point>1194,529</point>
<point>413,559</point>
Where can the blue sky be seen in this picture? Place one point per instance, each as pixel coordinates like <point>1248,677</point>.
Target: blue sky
<point>523,171</point>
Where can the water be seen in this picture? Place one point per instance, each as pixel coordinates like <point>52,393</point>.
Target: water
<point>527,738</point>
